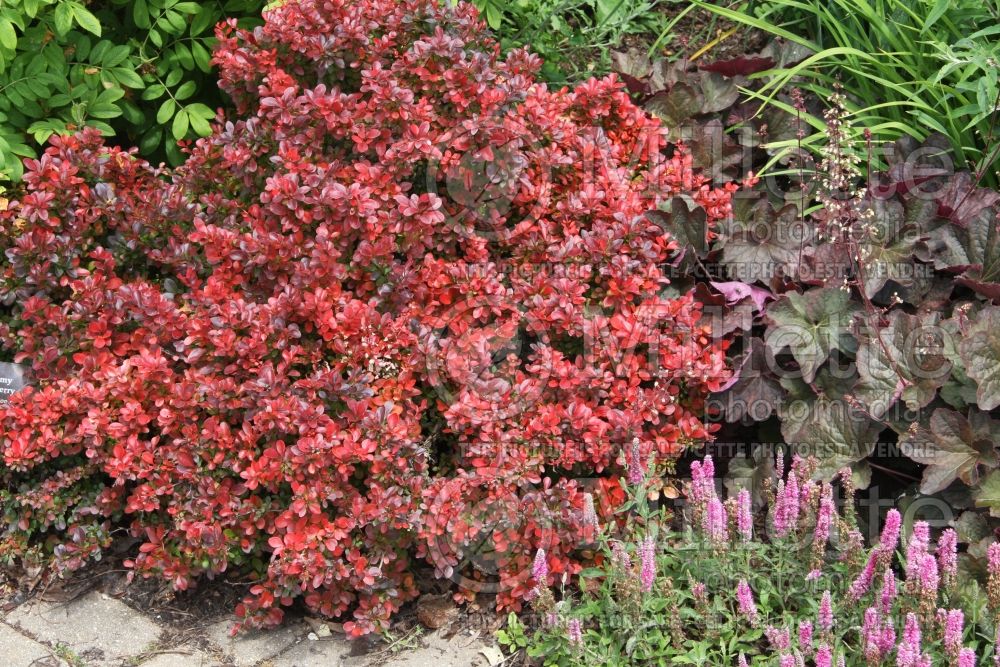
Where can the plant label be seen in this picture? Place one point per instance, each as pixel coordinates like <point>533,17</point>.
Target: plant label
<point>11,381</point>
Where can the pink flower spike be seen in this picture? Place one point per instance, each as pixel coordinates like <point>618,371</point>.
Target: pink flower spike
<point>993,558</point>
<point>636,473</point>
<point>824,656</point>
<point>890,533</point>
<point>947,555</point>
<point>917,549</point>
<point>744,597</point>
<point>888,591</point>
<point>825,616</point>
<point>953,628</point>
<point>540,569</point>
<point>716,521</point>
<point>589,513</point>
<point>863,581</point>
<point>967,658</point>
<point>744,516</point>
<point>805,637</point>
<point>574,632</point>
<point>742,662</point>
<point>647,555</point>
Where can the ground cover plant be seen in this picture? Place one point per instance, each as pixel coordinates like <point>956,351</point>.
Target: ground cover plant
<point>782,579</point>
<point>380,319</point>
<point>907,67</point>
<point>138,69</point>
<point>574,38</point>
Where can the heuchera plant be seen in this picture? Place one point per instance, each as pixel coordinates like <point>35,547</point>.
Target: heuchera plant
<point>385,317</point>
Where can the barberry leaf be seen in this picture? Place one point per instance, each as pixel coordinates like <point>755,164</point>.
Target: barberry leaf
<point>980,351</point>
<point>952,447</point>
<point>810,325</point>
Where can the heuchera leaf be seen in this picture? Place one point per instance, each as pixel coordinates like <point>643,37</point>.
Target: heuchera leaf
<point>952,448</point>
<point>905,359</point>
<point>756,393</point>
<point>767,244</point>
<point>988,494</point>
<point>888,249</point>
<point>742,66</point>
<point>980,351</point>
<point>811,325</point>
<point>685,222</point>
<point>828,429</point>
<point>735,291</point>
<point>676,105</point>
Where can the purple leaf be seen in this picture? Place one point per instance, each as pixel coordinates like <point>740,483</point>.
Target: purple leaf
<point>742,66</point>
<point>736,291</point>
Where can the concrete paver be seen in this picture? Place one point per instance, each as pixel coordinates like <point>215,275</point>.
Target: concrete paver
<point>97,629</point>
<point>20,651</point>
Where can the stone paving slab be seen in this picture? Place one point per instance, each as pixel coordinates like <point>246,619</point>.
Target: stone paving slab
<point>20,651</point>
<point>191,657</point>
<point>97,629</point>
<point>327,652</point>
<point>250,647</point>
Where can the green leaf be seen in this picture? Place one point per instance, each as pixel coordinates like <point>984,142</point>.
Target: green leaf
<point>937,11</point>
<point>202,57</point>
<point>179,127</point>
<point>8,38</point>
<point>166,111</point>
<point>811,325</point>
<point>140,14</point>
<point>151,140</point>
<point>952,448</point>
<point>980,351</point>
<point>127,77</point>
<point>31,7</point>
<point>493,16</point>
<point>63,17</point>
<point>185,91</point>
<point>155,91</point>
<point>86,20</point>
<point>205,18</point>
<point>199,124</point>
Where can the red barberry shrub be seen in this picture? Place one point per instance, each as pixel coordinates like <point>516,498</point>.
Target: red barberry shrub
<point>392,315</point>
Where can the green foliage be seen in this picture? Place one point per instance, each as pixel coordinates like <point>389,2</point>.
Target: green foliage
<point>139,69</point>
<point>573,37</point>
<point>908,67</point>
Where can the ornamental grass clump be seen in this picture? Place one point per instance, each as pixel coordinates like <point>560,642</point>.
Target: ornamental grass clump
<point>405,295</point>
<point>802,591</point>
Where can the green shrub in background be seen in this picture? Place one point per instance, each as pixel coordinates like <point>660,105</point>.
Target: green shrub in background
<point>908,67</point>
<point>573,37</point>
<point>138,69</point>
